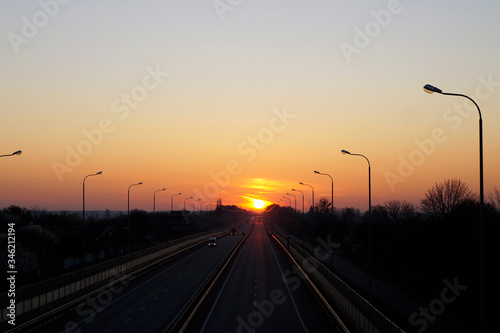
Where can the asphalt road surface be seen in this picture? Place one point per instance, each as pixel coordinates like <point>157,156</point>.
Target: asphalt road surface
<point>261,292</point>
<point>150,302</point>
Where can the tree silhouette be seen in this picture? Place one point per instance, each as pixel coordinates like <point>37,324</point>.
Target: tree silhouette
<point>495,198</point>
<point>443,198</point>
<point>324,206</point>
<point>400,210</point>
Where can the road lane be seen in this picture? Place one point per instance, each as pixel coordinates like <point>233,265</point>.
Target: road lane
<point>261,292</point>
<point>151,301</point>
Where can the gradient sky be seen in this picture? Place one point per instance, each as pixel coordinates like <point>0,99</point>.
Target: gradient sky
<point>244,100</point>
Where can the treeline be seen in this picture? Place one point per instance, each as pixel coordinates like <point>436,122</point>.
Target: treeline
<point>50,244</point>
<point>414,247</point>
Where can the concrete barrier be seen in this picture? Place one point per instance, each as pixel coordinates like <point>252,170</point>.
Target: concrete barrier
<point>356,311</point>
<point>46,297</point>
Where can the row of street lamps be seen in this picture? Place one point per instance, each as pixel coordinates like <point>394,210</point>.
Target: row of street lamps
<point>128,206</point>
<point>430,89</point>
<point>482,308</point>
<point>427,88</point>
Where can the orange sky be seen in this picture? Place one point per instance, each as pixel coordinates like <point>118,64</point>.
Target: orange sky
<point>246,105</point>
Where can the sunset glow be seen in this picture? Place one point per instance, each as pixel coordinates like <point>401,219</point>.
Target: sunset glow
<point>259,204</point>
<point>244,105</point>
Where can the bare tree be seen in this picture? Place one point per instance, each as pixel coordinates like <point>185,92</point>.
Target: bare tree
<point>399,210</point>
<point>323,206</point>
<point>495,198</point>
<point>443,198</point>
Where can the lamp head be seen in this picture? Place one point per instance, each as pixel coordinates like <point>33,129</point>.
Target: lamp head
<point>163,189</point>
<point>294,189</point>
<point>99,173</point>
<point>301,183</point>
<point>19,152</point>
<point>317,172</point>
<point>140,183</point>
<point>431,89</point>
<point>345,152</point>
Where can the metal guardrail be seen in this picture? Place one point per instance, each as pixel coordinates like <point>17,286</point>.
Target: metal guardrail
<point>360,315</point>
<point>190,310</point>
<point>41,299</point>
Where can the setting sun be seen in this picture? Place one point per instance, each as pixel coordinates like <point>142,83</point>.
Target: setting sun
<point>259,204</point>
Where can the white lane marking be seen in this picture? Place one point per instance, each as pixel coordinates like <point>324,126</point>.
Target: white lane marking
<point>289,292</point>
<point>220,292</point>
<point>131,291</point>
<point>126,321</point>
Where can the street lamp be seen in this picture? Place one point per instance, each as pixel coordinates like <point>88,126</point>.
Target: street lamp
<point>295,198</point>
<point>154,199</point>
<point>482,306</point>
<point>325,174</point>
<point>128,215</point>
<point>302,199</point>
<point>301,183</point>
<point>185,202</point>
<point>194,202</point>
<point>331,178</point>
<point>345,152</point>
<point>83,210</point>
<point>290,203</point>
<point>172,201</point>
<point>19,152</point>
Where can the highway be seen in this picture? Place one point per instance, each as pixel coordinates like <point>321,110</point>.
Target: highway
<point>150,302</point>
<point>261,292</point>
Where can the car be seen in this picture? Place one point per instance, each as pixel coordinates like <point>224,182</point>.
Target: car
<point>212,242</point>
<point>234,231</point>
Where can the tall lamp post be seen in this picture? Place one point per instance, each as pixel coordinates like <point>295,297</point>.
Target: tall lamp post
<point>333,217</point>
<point>295,198</point>
<point>312,188</point>
<point>325,174</point>
<point>172,201</point>
<point>345,152</point>
<point>295,214</point>
<point>185,202</point>
<point>482,300</point>
<point>194,202</point>
<point>303,212</point>
<point>83,210</point>
<point>154,199</point>
<point>128,215</point>
<point>19,152</point>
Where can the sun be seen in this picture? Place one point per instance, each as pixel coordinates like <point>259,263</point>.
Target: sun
<point>259,204</point>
